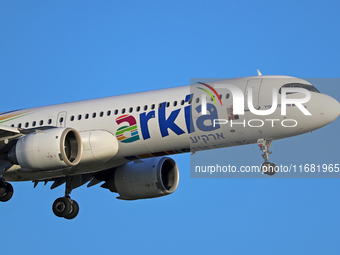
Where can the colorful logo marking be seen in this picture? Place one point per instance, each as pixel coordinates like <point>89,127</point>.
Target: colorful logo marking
<point>127,134</point>
<point>213,90</point>
<point>12,115</point>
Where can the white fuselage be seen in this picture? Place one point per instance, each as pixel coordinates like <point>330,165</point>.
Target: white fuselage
<point>144,129</point>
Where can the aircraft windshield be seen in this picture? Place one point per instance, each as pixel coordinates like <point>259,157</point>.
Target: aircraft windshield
<point>299,85</point>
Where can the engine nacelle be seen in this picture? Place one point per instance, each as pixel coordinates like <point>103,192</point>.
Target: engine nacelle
<point>148,178</point>
<point>98,145</point>
<point>49,149</point>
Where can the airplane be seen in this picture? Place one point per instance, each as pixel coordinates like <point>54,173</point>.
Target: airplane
<point>126,141</point>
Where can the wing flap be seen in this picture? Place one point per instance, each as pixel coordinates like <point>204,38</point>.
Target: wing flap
<point>8,132</point>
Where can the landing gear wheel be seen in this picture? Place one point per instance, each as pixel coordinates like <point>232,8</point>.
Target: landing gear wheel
<point>2,188</point>
<point>268,168</point>
<point>62,207</point>
<point>74,212</point>
<point>7,195</point>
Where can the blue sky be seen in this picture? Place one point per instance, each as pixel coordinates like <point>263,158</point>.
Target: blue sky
<point>62,51</point>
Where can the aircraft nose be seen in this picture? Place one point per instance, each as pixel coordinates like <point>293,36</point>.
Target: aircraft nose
<point>331,108</point>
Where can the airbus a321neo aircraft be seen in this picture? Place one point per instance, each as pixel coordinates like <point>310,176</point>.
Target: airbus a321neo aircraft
<point>125,141</point>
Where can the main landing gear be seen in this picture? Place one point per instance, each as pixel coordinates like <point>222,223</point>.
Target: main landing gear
<point>65,207</point>
<point>266,167</point>
<point>6,191</point>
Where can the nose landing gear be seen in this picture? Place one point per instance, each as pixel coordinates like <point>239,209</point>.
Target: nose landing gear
<point>266,167</point>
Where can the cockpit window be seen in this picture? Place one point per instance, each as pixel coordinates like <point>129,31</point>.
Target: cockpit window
<point>299,85</point>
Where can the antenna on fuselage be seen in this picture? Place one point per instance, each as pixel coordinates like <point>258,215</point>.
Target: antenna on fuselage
<point>259,73</point>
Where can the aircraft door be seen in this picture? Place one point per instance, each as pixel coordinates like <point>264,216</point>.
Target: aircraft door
<point>256,85</point>
<point>61,119</point>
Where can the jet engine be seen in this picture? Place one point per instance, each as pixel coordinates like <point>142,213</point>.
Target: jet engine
<point>148,178</point>
<point>49,149</point>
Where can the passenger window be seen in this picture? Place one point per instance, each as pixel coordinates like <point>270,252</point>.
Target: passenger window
<point>41,123</point>
<point>175,103</point>
<point>227,96</point>
<point>145,107</point>
<point>182,102</point>
<point>116,112</point>
<point>19,125</point>
<point>94,115</point>
<point>79,117</point>
<point>160,106</point>
<point>26,124</point>
<point>61,119</point>
<point>167,104</point>
<point>34,123</point>
<point>108,113</point>
<point>130,110</point>
<point>152,106</point>
<point>49,121</point>
<point>12,125</point>
<point>123,110</point>
<point>138,109</point>
<point>101,114</point>
<point>197,100</point>
<point>71,119</point>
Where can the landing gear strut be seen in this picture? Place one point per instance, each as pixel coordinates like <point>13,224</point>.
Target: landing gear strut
<point>266,167</point>
<point>6,191</point>
<point>65,207</point>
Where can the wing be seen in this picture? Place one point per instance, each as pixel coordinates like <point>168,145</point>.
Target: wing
<point>8,134</point>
